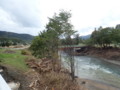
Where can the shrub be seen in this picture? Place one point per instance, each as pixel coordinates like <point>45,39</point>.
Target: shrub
<point>25,52</point>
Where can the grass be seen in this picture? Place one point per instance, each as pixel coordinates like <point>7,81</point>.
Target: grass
<point>15,60</point>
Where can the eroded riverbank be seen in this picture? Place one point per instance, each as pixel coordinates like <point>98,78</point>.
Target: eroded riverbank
<point>96,72</point>
<point>108,54</point>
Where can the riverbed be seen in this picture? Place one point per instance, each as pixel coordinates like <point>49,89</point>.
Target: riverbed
<point>94,69</point>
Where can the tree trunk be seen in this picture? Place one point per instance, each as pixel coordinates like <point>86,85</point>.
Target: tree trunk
<point>72,67</point>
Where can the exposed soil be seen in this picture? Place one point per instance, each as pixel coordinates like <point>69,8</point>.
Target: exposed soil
<point>50,76</point>
<point>9,51</point>
<point>95,85</point>
<point>106,53</point>
<point>10,74</point>
<point>41,76</point>
<point>109,54</point>
<point>33,80</point>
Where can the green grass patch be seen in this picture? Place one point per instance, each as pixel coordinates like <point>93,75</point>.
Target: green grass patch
<point>16,59</point>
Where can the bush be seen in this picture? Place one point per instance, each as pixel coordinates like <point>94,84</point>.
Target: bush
<point>25,52</point>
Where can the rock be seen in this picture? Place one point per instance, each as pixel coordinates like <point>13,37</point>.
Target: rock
<point>1,70</point>
<point>83,82</point>
<point>14,86</point>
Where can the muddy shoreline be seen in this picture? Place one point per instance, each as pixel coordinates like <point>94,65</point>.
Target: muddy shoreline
<point>111,55</point>
<point>95,85</point>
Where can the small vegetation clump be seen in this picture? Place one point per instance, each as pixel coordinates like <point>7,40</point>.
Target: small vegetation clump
<point>25,52</point>
<point>9,51</point>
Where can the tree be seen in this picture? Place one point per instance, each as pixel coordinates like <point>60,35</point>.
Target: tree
<point>58,27</point>
<point>117,26</point>
<point>77,39</point>
<point>95,38</point>
<point>104,37</point>
<point>38,47</point>
<point>46,44</point>
<point>115,36</point>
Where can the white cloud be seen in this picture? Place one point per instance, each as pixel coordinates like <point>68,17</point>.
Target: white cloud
<point>6,19</point>
<point>86,14</point>
<point>30,16</point>
<point>21,16</point>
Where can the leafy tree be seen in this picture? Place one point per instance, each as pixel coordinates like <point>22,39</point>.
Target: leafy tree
<point>104,37</point>
<point>10,41</point>
<point>95,37</point>
<point>115,36</point>
<point>58,27</point>
<point>38,47</point>
<point>76,39</point>
<point>46,44</point>
<point>117,26</point>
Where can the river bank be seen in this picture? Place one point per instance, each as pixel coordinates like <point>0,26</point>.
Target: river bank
<point>111,55</point>
<point>42,76</point>
<point>34,73</point>
<point>59,78</point>
<point>87,84</point>
<point>94,72</point>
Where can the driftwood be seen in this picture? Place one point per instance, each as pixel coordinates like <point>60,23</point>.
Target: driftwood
<point>42,66</point>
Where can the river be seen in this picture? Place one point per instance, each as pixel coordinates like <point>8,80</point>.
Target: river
<point>94,69</point>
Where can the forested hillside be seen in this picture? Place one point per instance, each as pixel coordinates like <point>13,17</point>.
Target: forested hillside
<point>24,37</point>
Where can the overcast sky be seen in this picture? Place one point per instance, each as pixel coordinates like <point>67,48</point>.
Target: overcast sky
<point>30,16</point>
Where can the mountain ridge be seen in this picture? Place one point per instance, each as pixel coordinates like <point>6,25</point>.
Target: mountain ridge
<point>85,36</point>
<point>24,37</point>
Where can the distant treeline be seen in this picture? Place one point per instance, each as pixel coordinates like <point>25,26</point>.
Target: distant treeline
<point>24,37</point>
<point>105,37</point>
<point>10,41</point>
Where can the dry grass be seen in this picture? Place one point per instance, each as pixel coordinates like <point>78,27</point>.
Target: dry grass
<point>59,81</point>
<point>53,81</point>
<point>48,78</point>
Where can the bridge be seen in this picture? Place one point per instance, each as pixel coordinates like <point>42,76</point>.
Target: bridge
<point>76,48</point>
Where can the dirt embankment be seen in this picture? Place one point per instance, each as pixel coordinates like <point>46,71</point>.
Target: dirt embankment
<point>46,75</point>
<point>11,74</point>
<point>50,76</point>
<point>106,53</point>
<point>42,75</point>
